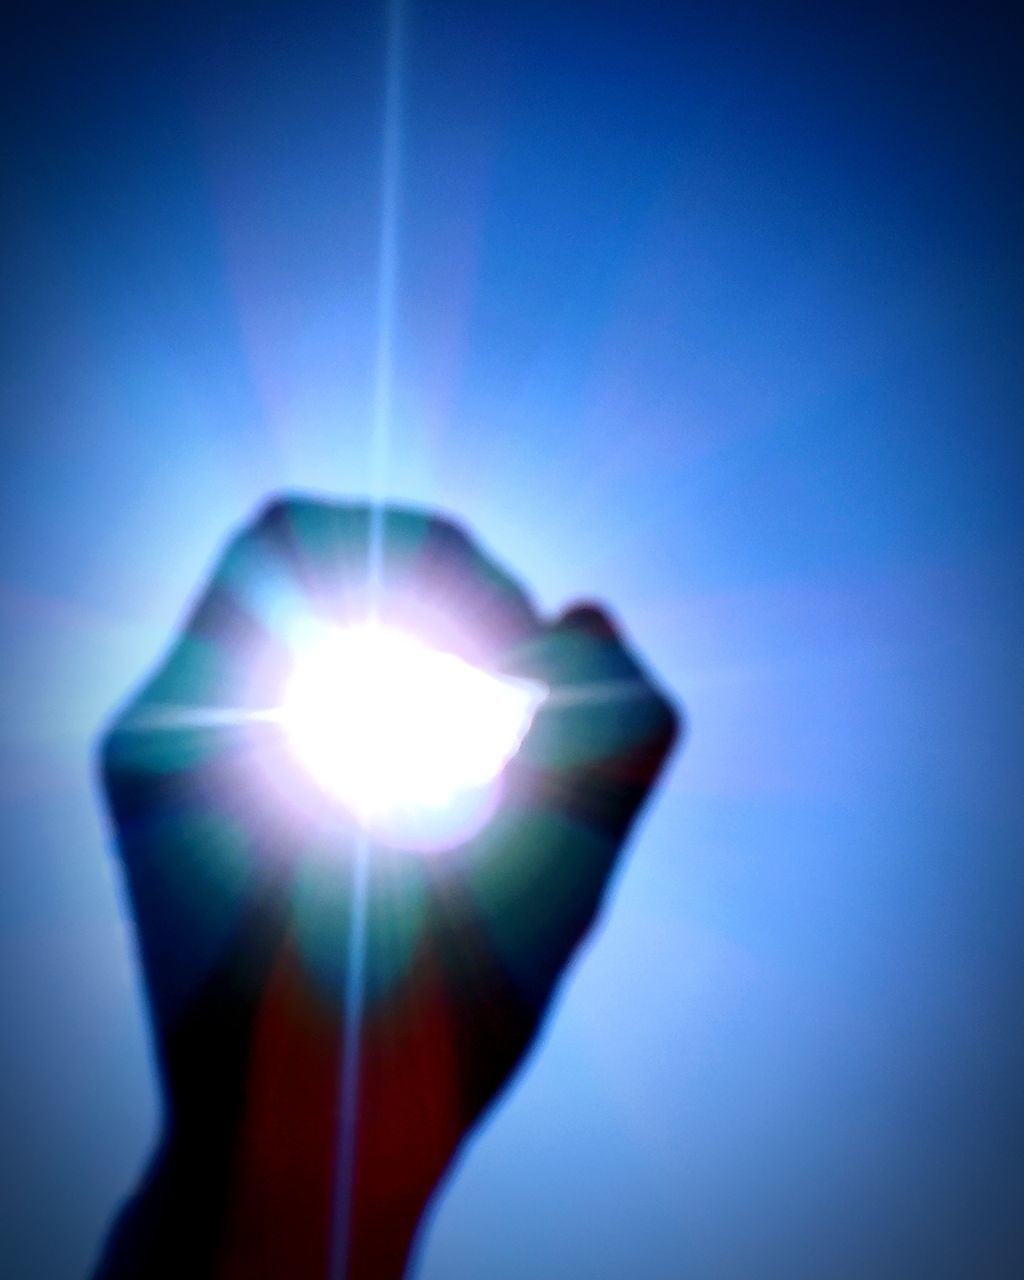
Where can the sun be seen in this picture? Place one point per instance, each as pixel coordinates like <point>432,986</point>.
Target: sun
<point>394,730</point>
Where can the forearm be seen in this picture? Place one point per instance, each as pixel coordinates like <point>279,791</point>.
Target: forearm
<point>263,1225</point>
<point>173,1223</point>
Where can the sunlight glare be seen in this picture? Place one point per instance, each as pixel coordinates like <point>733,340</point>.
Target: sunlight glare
<point>382,722</point>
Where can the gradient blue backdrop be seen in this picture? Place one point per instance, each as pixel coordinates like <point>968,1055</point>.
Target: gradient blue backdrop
<point>713,314</point>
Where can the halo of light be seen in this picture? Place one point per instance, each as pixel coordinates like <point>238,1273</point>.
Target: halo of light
<point>411,741</point>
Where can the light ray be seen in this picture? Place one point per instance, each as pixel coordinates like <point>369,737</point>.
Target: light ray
<point>380,456</point>
<point>387,288</point>
<point>172,717</point>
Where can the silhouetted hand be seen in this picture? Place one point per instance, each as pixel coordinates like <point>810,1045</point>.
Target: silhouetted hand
<point>241,879</point>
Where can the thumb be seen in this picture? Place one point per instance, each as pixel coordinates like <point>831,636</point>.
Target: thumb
<point>603,710</point>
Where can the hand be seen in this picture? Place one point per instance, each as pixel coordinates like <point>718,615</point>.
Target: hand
<point>245,887</point>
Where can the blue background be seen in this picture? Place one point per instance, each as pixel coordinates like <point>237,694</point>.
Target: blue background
<point>711,313</point>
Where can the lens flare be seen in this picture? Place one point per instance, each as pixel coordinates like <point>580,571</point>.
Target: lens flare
<point>395,730</point>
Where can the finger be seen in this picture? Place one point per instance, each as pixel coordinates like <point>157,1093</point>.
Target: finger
<point>603,710</point>
<point>301,560</point>
<point>404,566</point>
<point>200,692</point>
<point>534,879</point>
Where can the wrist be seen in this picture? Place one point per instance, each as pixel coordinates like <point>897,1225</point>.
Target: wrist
<point>183,1221</point>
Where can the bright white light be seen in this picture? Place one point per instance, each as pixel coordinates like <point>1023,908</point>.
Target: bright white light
<point>389,726</point>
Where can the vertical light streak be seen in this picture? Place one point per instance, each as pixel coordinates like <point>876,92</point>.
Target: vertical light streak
<point>380,458</point>
<point>387,281</point>
<point>348,1107</point>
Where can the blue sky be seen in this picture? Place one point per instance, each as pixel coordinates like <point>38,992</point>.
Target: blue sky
<point>715,316</point>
